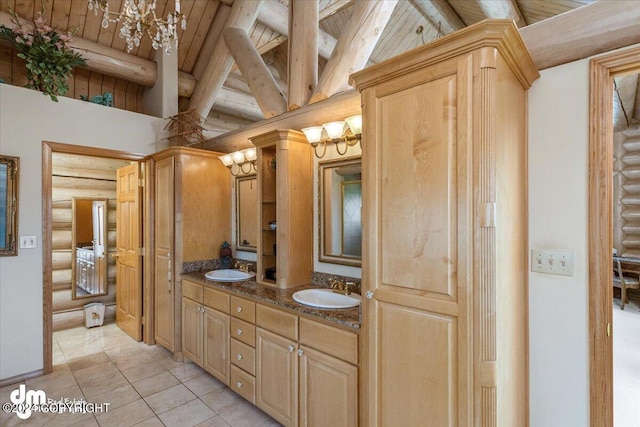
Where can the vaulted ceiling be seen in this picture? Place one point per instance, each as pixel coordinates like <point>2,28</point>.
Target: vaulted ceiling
<point>411,23</point>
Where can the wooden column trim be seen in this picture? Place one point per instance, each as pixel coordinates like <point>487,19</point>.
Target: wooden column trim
<point>602,71</point>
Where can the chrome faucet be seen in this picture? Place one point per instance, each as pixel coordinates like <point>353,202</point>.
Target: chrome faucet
<point>341,287</point>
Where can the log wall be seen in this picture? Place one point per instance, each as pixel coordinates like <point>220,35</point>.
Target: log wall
<point>80,176</point>
<point>626,195</point>
<point>126,95</point>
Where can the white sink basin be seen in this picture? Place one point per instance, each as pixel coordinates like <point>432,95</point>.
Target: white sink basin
<point>229,275</point>
<point>326,298</point>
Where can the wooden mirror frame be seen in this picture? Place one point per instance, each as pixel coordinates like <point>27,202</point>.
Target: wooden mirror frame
<point>323,256</point>
<point>239,243</point>
<point>10,205</point>
<point>102,267</point>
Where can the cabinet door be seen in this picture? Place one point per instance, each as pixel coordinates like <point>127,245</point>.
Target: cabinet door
<point>192,325</point>
<point>163,274</point>
<point>328,390</point>
<point>277,377</point>
<point>216,344</point>
<point>419,176</point>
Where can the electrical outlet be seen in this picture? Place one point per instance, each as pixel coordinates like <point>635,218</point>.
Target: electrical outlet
<point>552,261</point>
<point>28,242</point>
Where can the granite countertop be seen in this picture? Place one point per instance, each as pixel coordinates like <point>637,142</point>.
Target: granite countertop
<point>349,317</point>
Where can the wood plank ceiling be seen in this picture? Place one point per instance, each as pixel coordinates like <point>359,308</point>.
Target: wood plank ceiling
<point>412,23</point>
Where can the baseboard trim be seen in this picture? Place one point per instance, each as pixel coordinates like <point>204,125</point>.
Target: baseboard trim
<point>21,378</point>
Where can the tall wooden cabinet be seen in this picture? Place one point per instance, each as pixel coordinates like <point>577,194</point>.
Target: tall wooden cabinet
<point>285,199</point>
<point>192,218</point>
<point>445,232</point>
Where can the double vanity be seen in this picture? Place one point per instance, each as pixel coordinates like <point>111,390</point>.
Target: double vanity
<point>287,358</point>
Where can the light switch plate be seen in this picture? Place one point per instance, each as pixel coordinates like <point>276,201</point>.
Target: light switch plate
<point>552,261</point>
<point>28,242</point>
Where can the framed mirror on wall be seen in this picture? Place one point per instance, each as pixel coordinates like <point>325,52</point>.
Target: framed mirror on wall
<point>246,213</point>
<point>340,211</point>
<point>89,247</point>
<point>9,176</point>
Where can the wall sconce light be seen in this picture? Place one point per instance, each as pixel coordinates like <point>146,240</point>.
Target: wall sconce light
<point>245,159</point>
<point>335,133</point>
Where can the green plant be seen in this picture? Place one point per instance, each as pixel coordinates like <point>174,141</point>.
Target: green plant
<point>49,59</point>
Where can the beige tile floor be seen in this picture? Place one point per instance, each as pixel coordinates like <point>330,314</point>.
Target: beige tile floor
<point>143,384</point>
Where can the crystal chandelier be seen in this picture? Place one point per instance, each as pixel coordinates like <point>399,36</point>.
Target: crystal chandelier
<point>138,17</point>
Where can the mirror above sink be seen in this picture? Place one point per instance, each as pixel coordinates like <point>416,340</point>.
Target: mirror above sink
<point>340,211</point>
<point>246,213</point>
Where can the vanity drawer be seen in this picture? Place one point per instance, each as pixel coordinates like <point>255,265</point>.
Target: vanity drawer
<point>243,384</point>
<point>192,290</point>
<point>216,299</point>
<point>243,309</point>
<point>336,342</point>
<point>279,322</point>
<point>243,331</point>
<point>243,356</point>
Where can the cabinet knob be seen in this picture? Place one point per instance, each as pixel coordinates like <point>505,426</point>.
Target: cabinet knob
<point>239,331</point>
<point>238,309</point>
<point>369,295</point>
<point>239,384</point>
<point>291,348</point>
<point>239,356</point>
<point>300,352</point>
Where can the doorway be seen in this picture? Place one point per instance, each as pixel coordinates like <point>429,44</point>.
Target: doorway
<point>48,148</point>
<point>602,72</point>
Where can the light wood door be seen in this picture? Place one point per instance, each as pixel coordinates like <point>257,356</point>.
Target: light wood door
<point>328,390</point>
<point>277,377</point>
<point>418,248</point>
<point>216,344</point>
<point>163,253</point>
<point>192,327</point>
<point>128,263</point>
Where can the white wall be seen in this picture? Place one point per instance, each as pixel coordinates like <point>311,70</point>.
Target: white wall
<point>26,119</point>
<point>558,214</point>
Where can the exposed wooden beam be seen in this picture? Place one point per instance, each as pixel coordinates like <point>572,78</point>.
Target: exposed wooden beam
<point>243,15</point>
<point>335,108</point>
<point>595,28</point>
<point>103,59</point>
<point>503,9</point>
<point>440,13</point>
<point>213,35</point>
<point>219,121</point>
<point>303,52</point>
<point>238,104</point>
<point>263,86</point>
<point>275,16</point>
<point>354,47</point>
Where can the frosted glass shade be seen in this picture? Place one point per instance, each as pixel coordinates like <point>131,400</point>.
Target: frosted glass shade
<point>334,129</point>
<point>238,157</point>
<point>226,160</point>
<point>250,154</point>
<point>355,124</point>
<point>313,134</point>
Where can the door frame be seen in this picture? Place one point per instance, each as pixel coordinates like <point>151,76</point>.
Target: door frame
<point>48,148</point>
<point>602,70</point>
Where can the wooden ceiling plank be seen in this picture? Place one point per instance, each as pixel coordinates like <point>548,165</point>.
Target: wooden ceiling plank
<point>194,11</point>
<point>439,12</point>
<point>243,15</point>
<point>617,26</point>
<point>107,35</point>
<point>120,94</point>
<point>48,10</point>
<point>263,86</point>
<point>92,25</point>
<point>95,84</point>
<point>60,14</point>
<point>354,46</point>
<point>77,17</point>
<point>213,35</point>
<point>303,52</point>
<point>200,36</point>
<point>332,8</point>
<point>238,104</point>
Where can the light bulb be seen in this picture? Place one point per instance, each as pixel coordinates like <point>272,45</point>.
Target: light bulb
<point>238,157</point>
<point>355,124</point>
<point>226,160</point>
<point>313,134</point>
<point>250,154</point>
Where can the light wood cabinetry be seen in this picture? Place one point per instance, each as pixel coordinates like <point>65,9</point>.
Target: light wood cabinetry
<point>243,353</point>
<point>205,331</point>
<point>285,197</point>
<point>192,218</point>
<point>445,239</point>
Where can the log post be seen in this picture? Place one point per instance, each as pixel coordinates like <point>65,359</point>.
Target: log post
<point>303,51</point>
